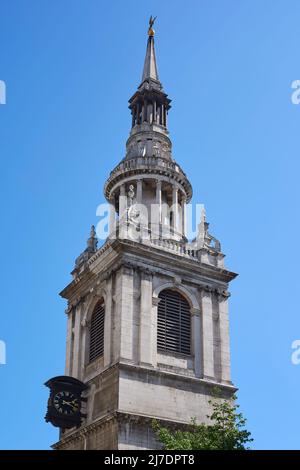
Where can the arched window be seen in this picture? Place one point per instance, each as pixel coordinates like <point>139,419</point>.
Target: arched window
<point>173,323</point>
<point>97,331</point>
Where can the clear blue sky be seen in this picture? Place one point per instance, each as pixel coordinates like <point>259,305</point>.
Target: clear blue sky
<point>70,67</point>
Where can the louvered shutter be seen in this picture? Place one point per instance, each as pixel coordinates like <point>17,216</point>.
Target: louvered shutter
<point>173,323</point>
<point>97,332</point>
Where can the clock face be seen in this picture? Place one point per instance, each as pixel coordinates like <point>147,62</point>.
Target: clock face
<point>66,403</point>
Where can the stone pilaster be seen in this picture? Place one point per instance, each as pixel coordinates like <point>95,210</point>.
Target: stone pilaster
<point>216,333</point>
<point>125,308</point>
<point>207,332</point>
<point>108,323</point>
<point>69,343</point>
<point>146,327</point>
<point>196,339</point>
<point>84,344</point>
<point>76,369</point>
<point>224,338</point>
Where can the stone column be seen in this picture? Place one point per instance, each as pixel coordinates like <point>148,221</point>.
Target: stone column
<point>108,323</point>
<point>207,335</point>
<point>138,113</point>
<point>197,343</point>
<point>159,114</point>
<point>122,212</point>
<point>165,116</point>
<point>122,201</point>
<point>146,327</point>
<point>143,219</point>
<point>183,215</point>
<point>112,217</point>
<point>139,191</point>
<point>157,212</point>
<point>224,338</point>
<point>145,109</point>
<point>175,208</point>
<point>150,112</point>
<point>154,111</point>
<point>162,115</point>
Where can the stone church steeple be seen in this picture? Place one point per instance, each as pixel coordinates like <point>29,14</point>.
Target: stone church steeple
<point>148,166</point>
<point>148,326</point>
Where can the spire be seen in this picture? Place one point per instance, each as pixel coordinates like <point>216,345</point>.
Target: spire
<point>149,108</point>
<point>150,66</point>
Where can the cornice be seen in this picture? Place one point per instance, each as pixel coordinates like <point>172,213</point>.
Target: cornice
<point>77,436</point>
<point>149,260</point>
<point>175,260</point>
<point>177,376</point>
<point>117,417</point>
<point>151,166</point>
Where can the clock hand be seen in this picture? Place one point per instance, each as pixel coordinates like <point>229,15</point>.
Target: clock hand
<point>70,403</point>
<point>67,402</point>
<point>75,403</point>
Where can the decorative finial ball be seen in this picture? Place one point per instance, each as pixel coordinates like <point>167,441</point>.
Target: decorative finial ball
<point>151,32</point>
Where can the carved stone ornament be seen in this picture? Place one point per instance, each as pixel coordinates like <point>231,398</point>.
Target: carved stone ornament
<point>155,301</point>
<point>177,281</point>
<point>131,192</point>
<point>195,311</point>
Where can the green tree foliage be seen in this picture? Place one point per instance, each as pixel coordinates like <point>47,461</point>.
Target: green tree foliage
<point>226,431</point>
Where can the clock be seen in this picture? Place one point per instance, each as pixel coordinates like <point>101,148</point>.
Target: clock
<point>64,408</point>
<point>65,402</point>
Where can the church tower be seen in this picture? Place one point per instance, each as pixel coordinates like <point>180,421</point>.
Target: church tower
<point>148,330</point>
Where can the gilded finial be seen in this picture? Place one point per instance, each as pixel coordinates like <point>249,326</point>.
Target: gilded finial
<point>151,31</point>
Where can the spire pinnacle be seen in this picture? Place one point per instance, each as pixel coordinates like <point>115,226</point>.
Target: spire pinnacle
<point>91,248</point>
<point>150,66</point>
<point>92,241</point>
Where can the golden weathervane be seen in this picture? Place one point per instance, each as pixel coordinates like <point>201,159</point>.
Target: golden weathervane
<point>151,31</point>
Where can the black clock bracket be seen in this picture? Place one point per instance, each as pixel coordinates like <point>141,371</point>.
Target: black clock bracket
<point>64,408</point>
